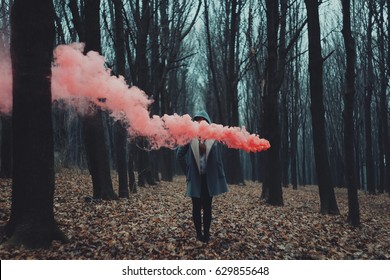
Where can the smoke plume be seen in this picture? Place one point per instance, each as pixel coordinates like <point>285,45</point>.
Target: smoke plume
<point>80,80</point>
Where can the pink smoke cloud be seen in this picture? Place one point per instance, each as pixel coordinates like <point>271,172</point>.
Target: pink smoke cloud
<point>5,82</point>
<point>80,79</point>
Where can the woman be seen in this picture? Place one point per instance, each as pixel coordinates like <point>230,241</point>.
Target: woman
<point>201,161</point>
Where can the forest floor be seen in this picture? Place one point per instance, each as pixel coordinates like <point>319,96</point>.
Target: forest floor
<point>155,223</point>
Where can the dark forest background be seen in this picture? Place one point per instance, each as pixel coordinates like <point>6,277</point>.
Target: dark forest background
<point>312,77</point>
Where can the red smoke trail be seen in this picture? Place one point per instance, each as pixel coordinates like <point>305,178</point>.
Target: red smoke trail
<point>5,82</point>
<point>80,79</point>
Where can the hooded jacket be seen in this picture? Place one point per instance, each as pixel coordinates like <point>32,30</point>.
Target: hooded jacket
<point>189,159</point>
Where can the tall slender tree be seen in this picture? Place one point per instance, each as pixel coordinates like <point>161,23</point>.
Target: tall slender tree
<point>272,189</point>
<point>120,130</point>
<point>277,50</point>
<point>142,16</point>
<point>367,103</point>
<point>93,129</point>
<point>225,61</point>
<point>386,112</point>
<point>383,112</point>
<point>32,222</point>
<point>325,183</point>
<point>233,165</point>
<point>216,89</point>
<point>349,157</point>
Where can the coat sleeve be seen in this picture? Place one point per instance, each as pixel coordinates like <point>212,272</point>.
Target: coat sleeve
<point>183,158</point>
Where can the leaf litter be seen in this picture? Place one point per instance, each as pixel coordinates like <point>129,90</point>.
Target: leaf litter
<point>156,223</point>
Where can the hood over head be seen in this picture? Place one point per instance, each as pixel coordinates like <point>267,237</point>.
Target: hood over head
<point>202,114</point>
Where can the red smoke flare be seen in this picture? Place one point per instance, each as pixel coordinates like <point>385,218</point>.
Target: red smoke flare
<point>79,79</point>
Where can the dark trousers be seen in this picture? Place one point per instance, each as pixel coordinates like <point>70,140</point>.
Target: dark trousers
<point>204,202</point>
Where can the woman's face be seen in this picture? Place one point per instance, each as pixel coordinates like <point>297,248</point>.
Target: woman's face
<point>199,119</point>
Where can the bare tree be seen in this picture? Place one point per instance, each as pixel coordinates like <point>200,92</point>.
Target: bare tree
<point>296,111</point>
<point>383,130</point>
<point>120,130</point>
<point>93,129</point>
<point>386,112</point>
<point>233,163</point>
<point>367,103</point>
<point>272,189</point>
<point>327,195</point>
<point>277,50</point>
<point>228,61</point>
<point>349,157</point>
<point>142,17</point>
<point>32,222</point>
<point>216,88</point>
<point>172,23</point>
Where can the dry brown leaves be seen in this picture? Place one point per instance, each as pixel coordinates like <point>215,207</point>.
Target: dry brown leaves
<point>155,223</point>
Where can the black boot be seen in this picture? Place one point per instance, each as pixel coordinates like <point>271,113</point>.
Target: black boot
<point>207,222</point>
<point>197,218</point>
<point>206,236</point>
<point>198,226</point>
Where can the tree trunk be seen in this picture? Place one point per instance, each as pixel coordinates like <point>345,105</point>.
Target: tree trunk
<point>130,163</point>
<point>295,110</point>
<point>384,111</point>
<point>304,146</point>
<point>272,188</point>
<point>295,120</point>
<point>349,159</point>
<point>294,131</point>
<point>367,106</point>
<point>32,221</point>
<point>167,164</point>
<point>6,147</point>
<point>121,161</point>
<point>233,163</point>
<point>386,114</point>
<point>284,127</point>
<point>120,131</point>
<point>327,195</point>
<point>145,172</point>
<point>93,129</point>
<point>157,71</point>
<point>211,63</point>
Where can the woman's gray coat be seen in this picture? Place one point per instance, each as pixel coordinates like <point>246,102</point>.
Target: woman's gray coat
<point>188,157</point>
